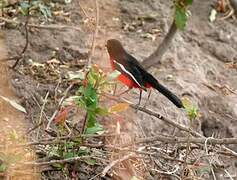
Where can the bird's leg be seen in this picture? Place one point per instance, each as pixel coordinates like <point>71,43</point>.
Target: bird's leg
<point>148,97</point>
<point>125,91</point>
<point>115,88</point>
<point>140,97</point>
<point>139,102</point>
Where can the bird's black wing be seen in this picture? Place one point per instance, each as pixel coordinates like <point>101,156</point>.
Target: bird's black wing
<point>147,77</point>
<point>126,64</point>
<point>136,68</point>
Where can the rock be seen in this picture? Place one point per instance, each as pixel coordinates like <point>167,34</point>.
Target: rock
<point>77,52</point>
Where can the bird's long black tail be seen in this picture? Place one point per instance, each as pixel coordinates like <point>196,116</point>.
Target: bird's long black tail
<point>163,90</point>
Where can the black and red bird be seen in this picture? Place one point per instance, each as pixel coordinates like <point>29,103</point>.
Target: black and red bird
<point>133,74</point>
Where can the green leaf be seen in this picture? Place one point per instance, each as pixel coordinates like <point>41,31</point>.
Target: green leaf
<point>203,170</point>
<point>77,141</point>
<point>15,158</point>
<point>3,167</point>
<point>113,75</point>
<point>91,162</point>
<point>69,145</point>
<point>54,152</point>
<point>180,17</point>
<point>191,110</point>
<point>102,111</point>
<point>92,76</point>
<point>13,135</point>
<point>90,96</point>
<point>58,166</point>
<point>83,151</point>
<point>91,116</point>
<point>95,129</point>
<point>45,10</point>
<point>188,2</point>
<point>24,7</point>
<point>68,154</point>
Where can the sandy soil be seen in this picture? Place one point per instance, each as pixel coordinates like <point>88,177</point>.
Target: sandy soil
<point>14,127</point>
<point>198,65</point>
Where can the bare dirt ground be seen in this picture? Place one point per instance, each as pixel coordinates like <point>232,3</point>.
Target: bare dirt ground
<point>13,129</point>
<point>200,64</point>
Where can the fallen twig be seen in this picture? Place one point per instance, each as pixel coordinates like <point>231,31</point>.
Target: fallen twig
<point>68,160</point>
<point>185,140</point>
<point>42,26</point>
<point>58,140</point>
<point>113,163</point>
<point>165,119</point>
<point>58,107</point>
<point>41,112</point>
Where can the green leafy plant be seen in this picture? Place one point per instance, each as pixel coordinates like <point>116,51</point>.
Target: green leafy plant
<point>191,110</point>
<point>7,159</point>
<point>3,3</point>
<point>87,97</point>
<point>38,5</point>
<point>181,13</point>
<point>69,149</point>
<point>91,85</point>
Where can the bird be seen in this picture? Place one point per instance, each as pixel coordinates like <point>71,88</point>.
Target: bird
<point>133,75</point>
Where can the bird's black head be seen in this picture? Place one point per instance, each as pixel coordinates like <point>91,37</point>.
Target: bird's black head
<point>114,48</point>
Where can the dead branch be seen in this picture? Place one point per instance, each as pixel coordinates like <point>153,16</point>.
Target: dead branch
<point>183,128</point>
<point>58,140</point>
<point>95,34</point>
<point>58,107</point>
<point>26,37</point>
<point>113,163</point>
<point>41,112</point>
<point>54,27</point>
<point>68,160</point>
<point>155,114</point>
<point>176,139</point>
<point>165,119</point>
<point>157,55</point>
<point>84,124</point>
<point>41,26</point>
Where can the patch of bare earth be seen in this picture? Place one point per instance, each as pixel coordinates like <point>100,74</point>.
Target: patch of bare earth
<point>13,130</point>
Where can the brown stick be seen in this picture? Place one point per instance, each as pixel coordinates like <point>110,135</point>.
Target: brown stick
<point>68,160</point>
<point>157,55</point>
<point>27,38</point>
<point>113,163</point>
<point>167,120</point>
<point>40,26</point>
<point>58,107</point>
<point>94,35</point>
<point>175,139</point>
